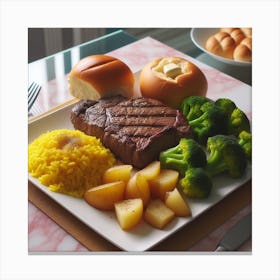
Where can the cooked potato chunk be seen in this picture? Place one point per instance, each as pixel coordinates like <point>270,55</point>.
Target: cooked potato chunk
<point>117,173</point>
<point>138,187</point>
<point>166,181</point>
<point>177,204</point>
<point>151,171</point>
<point>105,196</point>
<point>157,214</point>
<point>129,212</point>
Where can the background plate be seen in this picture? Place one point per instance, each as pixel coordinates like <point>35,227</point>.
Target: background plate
<point>199,37</point>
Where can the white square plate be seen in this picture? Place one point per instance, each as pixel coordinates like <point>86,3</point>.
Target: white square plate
<point>143,236</point>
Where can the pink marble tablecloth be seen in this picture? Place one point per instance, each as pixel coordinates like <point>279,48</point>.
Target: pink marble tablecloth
<point>44,235</point>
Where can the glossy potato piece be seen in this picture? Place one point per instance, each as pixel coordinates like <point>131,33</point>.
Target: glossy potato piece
<point>157,214</point>
<point>177,204</point>
<point>117,173</point>
<point>166,181</point>
<point>129,212</point>
<point>105,196</point>
<point>138,187</point>
<point>151,171</point>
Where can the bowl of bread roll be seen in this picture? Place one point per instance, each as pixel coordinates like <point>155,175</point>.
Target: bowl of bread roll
<point>231,45</point>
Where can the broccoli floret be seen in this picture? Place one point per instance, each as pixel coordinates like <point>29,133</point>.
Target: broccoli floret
<point>213,121</point>
<point>237,119</point>
<point>208,118</point>
<point>188,153</point>
<point>196,183</point>
<point>238,122</point>
<point>225,155</point>
<point>245,141</point>
<point>191,106</point>
<point>226,105</point>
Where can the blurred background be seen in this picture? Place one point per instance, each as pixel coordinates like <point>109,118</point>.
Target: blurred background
<point>47,41</point>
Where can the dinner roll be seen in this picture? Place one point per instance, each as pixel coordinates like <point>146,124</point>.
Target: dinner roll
<point>236,34</point>
<point>233,43</point>
<point>221,44</point>
<point>243,51</point>
<point>247,31</point>
<point>171,79</point>
<point>98,76</point>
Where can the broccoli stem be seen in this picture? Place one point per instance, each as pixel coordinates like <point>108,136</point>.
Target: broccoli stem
<point>177,164</point>
<point>197,122</point>
<point>172,153</point>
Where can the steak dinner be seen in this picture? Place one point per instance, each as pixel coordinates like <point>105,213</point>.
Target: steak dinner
<point>135,130</point>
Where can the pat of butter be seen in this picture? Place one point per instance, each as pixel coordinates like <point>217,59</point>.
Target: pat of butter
<point>172,70</point>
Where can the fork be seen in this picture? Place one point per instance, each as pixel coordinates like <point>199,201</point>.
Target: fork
<point>33,92</point>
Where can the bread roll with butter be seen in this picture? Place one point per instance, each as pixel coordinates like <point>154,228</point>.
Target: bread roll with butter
<point>99,76</point>
<point>171,79</point>
<point>243,51</point>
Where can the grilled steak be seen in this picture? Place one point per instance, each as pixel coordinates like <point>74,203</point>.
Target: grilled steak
<point>135,130</point>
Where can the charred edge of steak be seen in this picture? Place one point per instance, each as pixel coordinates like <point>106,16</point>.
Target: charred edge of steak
<point>135,130</point>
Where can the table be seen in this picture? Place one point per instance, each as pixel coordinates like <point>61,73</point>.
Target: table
<point>44,234</point>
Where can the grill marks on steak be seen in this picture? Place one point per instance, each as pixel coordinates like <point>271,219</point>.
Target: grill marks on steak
<point>135,130</point>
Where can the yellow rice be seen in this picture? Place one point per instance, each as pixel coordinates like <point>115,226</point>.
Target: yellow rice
<point>68,161</point>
